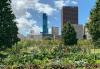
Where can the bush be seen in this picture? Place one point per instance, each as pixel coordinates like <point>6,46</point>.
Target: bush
<point>69,35</point>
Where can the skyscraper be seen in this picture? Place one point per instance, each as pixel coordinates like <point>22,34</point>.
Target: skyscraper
<point>69,14</point>
<point>45,24</point>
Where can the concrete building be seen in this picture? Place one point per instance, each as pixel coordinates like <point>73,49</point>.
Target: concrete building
<point>47,37</point>
<point>69,14</point>
<point>55,32</point>
<point>45,24</point>
<point>21,36</point>
<point>32,36</point>
<point>86,33</point>
<point>79,30</point>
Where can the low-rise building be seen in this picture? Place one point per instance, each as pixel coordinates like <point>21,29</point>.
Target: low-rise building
<point>79,30</point>
<point>55,32</point>
<point>21,36</point>
<point>86,32</point>
<point>32,36</point>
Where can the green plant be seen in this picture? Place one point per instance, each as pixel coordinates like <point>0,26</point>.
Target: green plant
<point>8,28</point>
<point>37,61</point>
<point>75,49</point>
<point>58,52</point>
<point>46,54</point>
<point>69,35</point>
<point>94,24</point>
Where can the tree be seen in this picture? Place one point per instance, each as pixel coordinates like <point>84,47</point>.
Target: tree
<point>94,23</point>
<point>69,34</point>
<point>8,28</point>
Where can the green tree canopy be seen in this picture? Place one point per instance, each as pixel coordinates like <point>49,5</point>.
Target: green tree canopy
<point>8,28</point>
<point>94,23</point>
<point>69,34</point>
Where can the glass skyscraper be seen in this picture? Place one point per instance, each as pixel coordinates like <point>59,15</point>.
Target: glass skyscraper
<point>45,24</point>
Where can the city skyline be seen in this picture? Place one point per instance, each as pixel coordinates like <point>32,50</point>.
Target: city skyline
<point>30,15</point>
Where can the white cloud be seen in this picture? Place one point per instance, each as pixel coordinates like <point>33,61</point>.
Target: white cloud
<point>59,4</point>
<point>44,8</point>
<point>20,7</point>
<point>26,25</point>
<point>28,15</point>
<point>37,30</point>
<point>74,2</point>
<point>67,2</point>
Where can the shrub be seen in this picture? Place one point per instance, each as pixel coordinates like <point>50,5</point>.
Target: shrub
<point>69,35</point>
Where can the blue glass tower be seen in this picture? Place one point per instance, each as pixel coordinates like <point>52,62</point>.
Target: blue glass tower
<point>45,24</point>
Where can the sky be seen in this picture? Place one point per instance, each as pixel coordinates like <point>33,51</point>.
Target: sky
<point>29,13</point>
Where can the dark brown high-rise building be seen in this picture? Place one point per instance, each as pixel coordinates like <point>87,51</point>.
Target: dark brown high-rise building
<point>69,15</point>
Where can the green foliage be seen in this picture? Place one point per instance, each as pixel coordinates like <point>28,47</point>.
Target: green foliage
<point>94,24</point>
<point>98,61</point>
<point>44,53</point>
<point>83,42</point>
<point>8,28</point>
<point>97,42</point>
<point>69,35</point>
<point>75,49</point>
<point>97,56</point>
<point>58,52</point>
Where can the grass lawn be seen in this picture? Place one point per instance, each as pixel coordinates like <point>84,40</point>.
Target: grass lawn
<point>98,61</point>
<point>95,51</point>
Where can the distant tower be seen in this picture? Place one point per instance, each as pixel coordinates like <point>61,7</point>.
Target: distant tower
<point>45,24</point>
<point>69,14</point>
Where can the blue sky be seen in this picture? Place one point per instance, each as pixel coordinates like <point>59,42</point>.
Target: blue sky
<point>85,7</point>
<point>29,13</point>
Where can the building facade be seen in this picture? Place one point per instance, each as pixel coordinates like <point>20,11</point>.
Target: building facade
<point>55,32</point>
<point>45,24</point>
<point>69,14</point>
<point>21,36</point>
<point>87,34</point>
<point>79,30</point>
